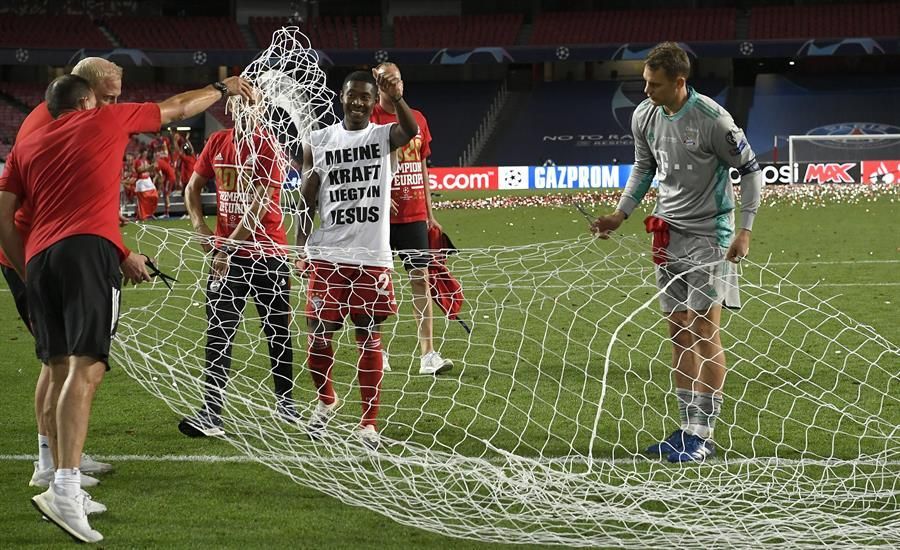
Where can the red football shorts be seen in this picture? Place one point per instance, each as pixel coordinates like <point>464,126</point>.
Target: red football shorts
<point>338,290</point>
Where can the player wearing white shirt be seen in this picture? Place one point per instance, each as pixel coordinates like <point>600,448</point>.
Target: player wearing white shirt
<point>347,169</point>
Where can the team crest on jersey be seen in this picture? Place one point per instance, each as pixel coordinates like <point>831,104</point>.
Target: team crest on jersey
<point>690,137</point>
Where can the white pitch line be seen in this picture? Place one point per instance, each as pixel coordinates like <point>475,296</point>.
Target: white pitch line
<point>786,285</point>
<point>762,461</point>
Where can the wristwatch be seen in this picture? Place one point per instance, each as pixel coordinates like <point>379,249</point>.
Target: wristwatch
<point>223,89</point>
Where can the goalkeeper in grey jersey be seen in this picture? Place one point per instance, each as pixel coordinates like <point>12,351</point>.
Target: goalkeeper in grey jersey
<point>689,143</point>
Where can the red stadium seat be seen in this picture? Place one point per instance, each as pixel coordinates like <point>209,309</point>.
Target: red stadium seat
<point>65,31</point>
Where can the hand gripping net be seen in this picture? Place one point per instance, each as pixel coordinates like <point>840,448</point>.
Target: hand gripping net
<point>566,376</point>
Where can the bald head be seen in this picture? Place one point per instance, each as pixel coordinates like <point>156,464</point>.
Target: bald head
<point>104,76</point>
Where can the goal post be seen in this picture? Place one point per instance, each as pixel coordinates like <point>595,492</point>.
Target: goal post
<point>875,158</point>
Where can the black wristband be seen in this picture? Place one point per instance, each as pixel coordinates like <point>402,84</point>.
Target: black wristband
<point>397,99</point>
<point>223,89</point>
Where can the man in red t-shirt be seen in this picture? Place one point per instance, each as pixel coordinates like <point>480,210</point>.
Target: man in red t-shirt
<point>105,79</point>
<point>68,171</point>
<point>165,174</point>
<point>248,258</point>
<point>411,217</point>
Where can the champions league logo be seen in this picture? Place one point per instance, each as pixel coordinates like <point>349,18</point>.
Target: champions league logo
<point>856,129</point>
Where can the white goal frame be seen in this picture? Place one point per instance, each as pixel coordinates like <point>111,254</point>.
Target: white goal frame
<point>792,161</point>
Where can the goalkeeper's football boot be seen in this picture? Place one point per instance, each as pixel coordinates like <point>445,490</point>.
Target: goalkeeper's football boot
<point>68,514</point>
<point>672,444</point>
<point>369,437</point>
<point>204,424</point>
<point>321,415</point>
<point>91,466</point>
<point>696,449</point>
<point>287,411</point>
<point>433,363</point>
<point>43,478</point>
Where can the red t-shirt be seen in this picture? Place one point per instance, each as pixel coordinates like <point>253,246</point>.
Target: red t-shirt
<point>138,163</point>
<point>163,165</point>
<point>187,167</point>
<point>408,186</point>
<point>69,171</point>
<point>219,161</point>
<point>39,116</point>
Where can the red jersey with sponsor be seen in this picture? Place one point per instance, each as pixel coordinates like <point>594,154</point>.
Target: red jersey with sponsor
<point>38,117</point>
<point>69,171</point>
<point>219,161</point>
<point>138,163</point>
<point>408,185</point>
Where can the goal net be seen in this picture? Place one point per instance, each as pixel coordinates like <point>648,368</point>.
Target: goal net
<point>563,380</point>
<point>852,158</point>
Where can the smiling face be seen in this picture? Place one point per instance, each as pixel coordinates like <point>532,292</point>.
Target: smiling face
<point>358,99</point>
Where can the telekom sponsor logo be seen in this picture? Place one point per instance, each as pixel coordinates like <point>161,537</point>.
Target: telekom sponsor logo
<point>881,171</point>
<point>463,178</point>
<point>832,172</point>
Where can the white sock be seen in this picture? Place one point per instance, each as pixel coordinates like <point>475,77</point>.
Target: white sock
<point>45,457</point>
<point>68,482</point>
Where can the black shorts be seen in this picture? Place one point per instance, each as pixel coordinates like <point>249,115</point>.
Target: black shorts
<point>411,240</point>
<point>19,293</point>
<point>74,293</point>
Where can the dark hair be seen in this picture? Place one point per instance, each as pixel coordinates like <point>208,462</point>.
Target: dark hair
<point>64,93</point>
<point>671,58</point>
<point>360,76</point>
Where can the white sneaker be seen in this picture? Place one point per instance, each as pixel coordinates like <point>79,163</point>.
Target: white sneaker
<point>43,478</point>
<point>385,364</point>
<point>67,513</point>
<point>369,437</point>
<point>319,420</point>
<point>91,506</point>
<point>433,363</point>
<point>91,466</point>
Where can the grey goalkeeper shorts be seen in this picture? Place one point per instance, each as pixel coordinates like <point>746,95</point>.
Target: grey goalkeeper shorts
<point>697,276</point>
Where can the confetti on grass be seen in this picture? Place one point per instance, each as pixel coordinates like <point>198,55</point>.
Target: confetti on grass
<point>801,196</point>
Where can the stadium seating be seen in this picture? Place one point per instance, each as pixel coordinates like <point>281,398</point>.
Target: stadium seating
<point>169,33</point>
<point>468,31</point>
<point>50,31</point>
<point>633,26</point>
<point>454,111</point>
<point>784,106</point>
<point>10,119</point>
<point>825,21</point>
<point>29,94</point>
<point>325,32</point>
<point>586,122</point>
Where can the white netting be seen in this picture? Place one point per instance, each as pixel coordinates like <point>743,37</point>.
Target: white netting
<point>537,437</point>
<point>564,379</point>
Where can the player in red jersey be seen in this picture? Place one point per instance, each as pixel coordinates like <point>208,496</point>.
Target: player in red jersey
<point>68,171</point>
<point>105,79</point>
<point>165,174</point>
<point>411,217</point>
<point>186,162</point>
<point>248,258</point>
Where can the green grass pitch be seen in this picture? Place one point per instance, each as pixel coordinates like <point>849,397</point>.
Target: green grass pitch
<point>851,250</point>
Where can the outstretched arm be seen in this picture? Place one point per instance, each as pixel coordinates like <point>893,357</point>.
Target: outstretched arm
<point>192,103</point>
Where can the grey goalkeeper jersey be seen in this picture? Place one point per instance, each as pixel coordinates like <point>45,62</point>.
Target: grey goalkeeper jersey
<point>690,153</point>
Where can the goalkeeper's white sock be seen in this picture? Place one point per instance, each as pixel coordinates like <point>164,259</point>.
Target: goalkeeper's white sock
<point>703,411</point>
<point>45,457</point>
<point>684,399</point>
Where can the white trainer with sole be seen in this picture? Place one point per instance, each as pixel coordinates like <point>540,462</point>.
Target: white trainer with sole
<point>43,478</point>
<point>66,513</point>
<point>91,466</point>
<point>433,363</point>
